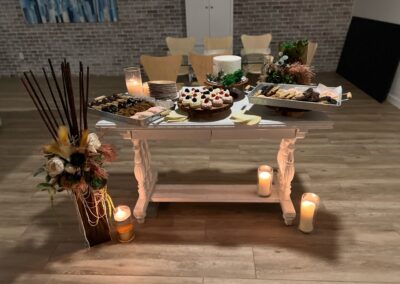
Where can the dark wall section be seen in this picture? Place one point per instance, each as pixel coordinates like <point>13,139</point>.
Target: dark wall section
<point>370,56</point>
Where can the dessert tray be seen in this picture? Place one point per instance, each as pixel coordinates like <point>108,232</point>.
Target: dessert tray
<point>137,110</point>
<point>204,100</point>
<point>300,97</point>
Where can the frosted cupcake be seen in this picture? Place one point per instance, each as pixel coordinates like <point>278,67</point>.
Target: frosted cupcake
<point>195,103</point>
<point>217,101</point>
<point>186,101</point>
<point>227,99</point>
<point>182,96</point>
<point>206,104</point>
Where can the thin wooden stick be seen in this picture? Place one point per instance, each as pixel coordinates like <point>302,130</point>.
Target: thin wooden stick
<point>71,101</point>
<point>63,74</point>
<point>60,93</point>
<point>38,109</point>
<point>80,97</point>
<point>87,97</point>
<point>40,103</point>
<point>52,95</point>
<point>44,99</point>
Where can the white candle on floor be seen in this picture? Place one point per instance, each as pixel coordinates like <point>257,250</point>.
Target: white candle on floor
<point>265,174</point>
<point>123,223</point>
<point>308,210</point>
<point>307,216</point>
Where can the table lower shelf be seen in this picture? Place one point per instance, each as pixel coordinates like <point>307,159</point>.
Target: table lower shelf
<point>235,193</point>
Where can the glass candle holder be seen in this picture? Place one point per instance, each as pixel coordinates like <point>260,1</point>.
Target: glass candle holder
<point>124,223</point>
<point>308,211</point>
<point>133,80</point>
<point>265,176</point>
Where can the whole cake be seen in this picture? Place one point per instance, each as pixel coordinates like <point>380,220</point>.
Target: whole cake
<point>226,63</point>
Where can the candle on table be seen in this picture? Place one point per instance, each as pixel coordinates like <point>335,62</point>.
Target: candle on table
<point>265,174</point>
<point>124,224</point>
<point>146,90</point>
<point>133,80</point>
<point>308,210</point>
<point>134,87</point>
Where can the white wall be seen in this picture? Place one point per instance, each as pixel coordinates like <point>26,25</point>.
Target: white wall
<point>385,11</point>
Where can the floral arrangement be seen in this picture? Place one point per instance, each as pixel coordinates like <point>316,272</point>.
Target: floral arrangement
<point>282,71</point>
<point>75,158</point>
<point>295,50</point>
<point>76,168</point>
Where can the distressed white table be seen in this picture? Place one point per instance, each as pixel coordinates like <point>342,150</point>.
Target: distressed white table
<point>271,126</point>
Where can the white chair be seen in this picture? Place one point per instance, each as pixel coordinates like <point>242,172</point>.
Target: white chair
<point>181,46</point>
<point>218,45</point>
<point>254,50</point>
<point>161,68</point>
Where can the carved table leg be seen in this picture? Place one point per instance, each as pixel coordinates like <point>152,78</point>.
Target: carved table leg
<point>286,174</point>
<point>145,177</point>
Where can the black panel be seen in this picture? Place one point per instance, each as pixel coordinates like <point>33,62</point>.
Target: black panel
<point>370,56</point>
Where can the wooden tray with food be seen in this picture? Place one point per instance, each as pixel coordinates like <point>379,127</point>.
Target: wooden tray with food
<point>300,97</point>
<point>125,108</point>
<point>198,101</point>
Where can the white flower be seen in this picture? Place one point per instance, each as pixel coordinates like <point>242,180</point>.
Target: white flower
<point>70,169</point>
<point>93,142</point>
<point>54,166</point>
<point>280,53</point>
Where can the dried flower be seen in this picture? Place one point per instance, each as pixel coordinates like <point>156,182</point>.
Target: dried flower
<point>54,166</point>
<point>108,152</point>
<point>70,169</point>
<point>77,159</point>
<point>93,142</point>
<point>302,74</point>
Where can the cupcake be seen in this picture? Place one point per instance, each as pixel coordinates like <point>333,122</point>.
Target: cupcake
<point>182,97</point>
<point>227,99</point>
<point>216,91</point>
<point>217,101</point>
<point>195,103</point>
<point>186,101</point>
<point>206,104</point>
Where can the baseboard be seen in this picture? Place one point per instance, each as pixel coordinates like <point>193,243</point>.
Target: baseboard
<point>394,100</point>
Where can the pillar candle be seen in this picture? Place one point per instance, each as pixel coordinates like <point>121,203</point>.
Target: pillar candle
<point>308,210</point>
<point>134,87</point>
<point>265,174</point>
<point>124,224</point>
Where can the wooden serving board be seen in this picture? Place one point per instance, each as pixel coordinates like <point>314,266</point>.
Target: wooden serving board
<point>204,112</point>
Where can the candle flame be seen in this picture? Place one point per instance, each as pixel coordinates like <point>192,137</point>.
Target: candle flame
<point>265,175</point>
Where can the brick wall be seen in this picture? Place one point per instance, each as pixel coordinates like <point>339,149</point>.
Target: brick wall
<point>322,21</point>
<point>143,26</point>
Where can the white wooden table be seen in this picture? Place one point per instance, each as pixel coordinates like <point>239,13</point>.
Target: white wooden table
<point>272,125</point>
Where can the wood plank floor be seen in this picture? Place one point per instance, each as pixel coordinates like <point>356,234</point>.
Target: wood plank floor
<point>355,168</point>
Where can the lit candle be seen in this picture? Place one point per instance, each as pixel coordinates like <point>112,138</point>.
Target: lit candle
<point>265,174</point>
<point>308,210</point>
<point>146,90</point>
<point>133,80</point>
<point>134,87</point>
<point>124,224</point>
